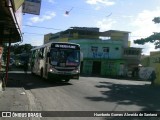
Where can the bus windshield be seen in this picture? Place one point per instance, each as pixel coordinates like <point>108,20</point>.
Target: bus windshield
<point>64,57</point>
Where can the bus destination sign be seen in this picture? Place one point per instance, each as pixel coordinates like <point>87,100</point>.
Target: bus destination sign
<point>65,46</point>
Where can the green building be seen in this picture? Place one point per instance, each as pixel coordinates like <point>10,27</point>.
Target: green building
<point>100,57</point>
<point>102,53</point>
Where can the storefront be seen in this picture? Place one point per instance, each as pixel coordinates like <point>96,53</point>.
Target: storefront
<point>10,30</point>
<point>103,67</point>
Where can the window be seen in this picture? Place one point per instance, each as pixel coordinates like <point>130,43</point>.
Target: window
<point>117,48</point>
<point>41,53</point>
<point>94,48</point>
<point>105,49</point>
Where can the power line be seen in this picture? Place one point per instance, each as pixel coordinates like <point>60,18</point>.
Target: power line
<point>32,33</point>
<point>41,27</point>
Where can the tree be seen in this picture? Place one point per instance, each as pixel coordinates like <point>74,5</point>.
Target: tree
<point>156,20</point>
<point>154,38</point>
<point>18,49</point>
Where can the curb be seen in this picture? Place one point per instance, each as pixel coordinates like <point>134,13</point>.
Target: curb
<point>0,86</point>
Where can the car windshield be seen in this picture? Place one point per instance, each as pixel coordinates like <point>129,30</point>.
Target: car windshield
<point>65,57</point>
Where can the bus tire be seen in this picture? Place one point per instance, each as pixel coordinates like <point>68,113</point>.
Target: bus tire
<point>41,72</point>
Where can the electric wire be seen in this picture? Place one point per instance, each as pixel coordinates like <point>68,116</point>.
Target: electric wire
<point>41,27</point>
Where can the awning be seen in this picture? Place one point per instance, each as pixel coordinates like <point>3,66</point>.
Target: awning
<point>9,27</point>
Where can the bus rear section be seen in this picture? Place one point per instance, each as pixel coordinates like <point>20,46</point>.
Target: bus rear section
<point>64,61</point>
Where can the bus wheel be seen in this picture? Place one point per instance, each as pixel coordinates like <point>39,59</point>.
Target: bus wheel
<point>67,80</point>
<point>41,72</point>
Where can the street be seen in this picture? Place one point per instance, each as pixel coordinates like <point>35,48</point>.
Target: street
<point>85,94</point>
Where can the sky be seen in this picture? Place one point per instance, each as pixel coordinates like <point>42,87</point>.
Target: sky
<point>134,16</point>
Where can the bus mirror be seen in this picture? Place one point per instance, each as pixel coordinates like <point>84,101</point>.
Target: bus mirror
<point>48,54</point>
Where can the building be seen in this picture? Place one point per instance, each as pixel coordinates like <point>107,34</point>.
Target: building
<point>10,28</point>
<point>155,63</point>
<point>100,57</point>
<point>145,60</point>
<point>132,57</point>
<point>153,60</point>
<point>104,53</point>
<point>10,21</point>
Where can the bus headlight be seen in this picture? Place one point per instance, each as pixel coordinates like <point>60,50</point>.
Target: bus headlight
<point>52,70</point>
<point>76,71</point>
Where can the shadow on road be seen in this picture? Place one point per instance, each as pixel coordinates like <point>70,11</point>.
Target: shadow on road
<point>145,96</point>
<point>29,81</point>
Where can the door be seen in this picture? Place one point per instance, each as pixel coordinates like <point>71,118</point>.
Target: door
<point>96,68</point>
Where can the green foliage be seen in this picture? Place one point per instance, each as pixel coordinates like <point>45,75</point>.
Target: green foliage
<point>18,49</point>
<point>155,38</point>
<point>156,20</point>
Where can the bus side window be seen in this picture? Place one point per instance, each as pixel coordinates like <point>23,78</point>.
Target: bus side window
<point>41,53</point>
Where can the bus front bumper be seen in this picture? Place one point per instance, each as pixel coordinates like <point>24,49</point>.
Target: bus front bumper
<point>62,76</point>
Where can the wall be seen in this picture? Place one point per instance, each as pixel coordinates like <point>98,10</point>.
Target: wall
<point>98,48</point>
<point>111,67</point>
<point>96,51</point>
<point>87,67</point>
<point>145,61</point>
<point>117,35</point>
<point>155,62</point>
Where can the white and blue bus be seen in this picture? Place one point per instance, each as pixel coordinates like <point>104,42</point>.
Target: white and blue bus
<point>56,61</point>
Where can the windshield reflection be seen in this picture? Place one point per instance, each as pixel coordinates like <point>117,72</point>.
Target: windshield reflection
<point>64,57</point>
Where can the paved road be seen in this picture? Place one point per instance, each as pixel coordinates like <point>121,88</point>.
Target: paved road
<point>87,94</point>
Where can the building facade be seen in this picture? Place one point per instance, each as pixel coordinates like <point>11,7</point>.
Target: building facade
<point>10,21</point>
<point>10,29</point>
<point>100,57</point>
<point>103,52</point>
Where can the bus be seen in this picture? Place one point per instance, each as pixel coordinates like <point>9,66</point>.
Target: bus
<point>56,61</point>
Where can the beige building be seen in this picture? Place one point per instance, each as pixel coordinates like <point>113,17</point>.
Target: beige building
<point>152,61</point>
<point>155,63</point>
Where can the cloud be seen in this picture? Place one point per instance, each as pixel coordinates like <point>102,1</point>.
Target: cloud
<point>144,24</point>
<point>47,16</point>
<point>148,47</point>
<point>104,2</point>
<point>144,27</point>
<point>51,1</point>
<point>105,24</point>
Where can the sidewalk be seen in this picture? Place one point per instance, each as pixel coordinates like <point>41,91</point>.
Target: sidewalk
<point>14,99</point>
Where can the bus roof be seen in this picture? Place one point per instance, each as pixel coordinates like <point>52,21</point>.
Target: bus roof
<point>38,47</point>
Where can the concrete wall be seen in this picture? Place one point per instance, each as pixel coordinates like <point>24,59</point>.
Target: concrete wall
<point>109,62</point>
<point>88,46</point>
<point>145,61</point>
